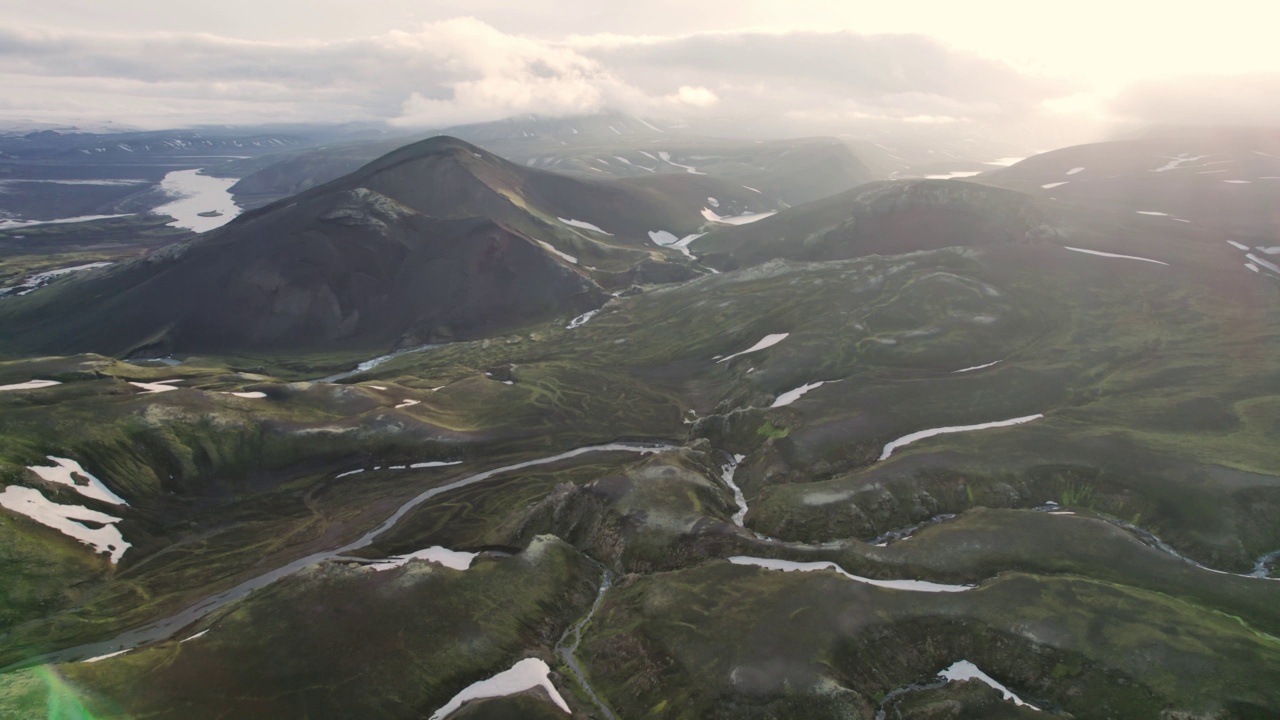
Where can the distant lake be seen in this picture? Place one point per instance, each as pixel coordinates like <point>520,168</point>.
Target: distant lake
<point>198,197</point>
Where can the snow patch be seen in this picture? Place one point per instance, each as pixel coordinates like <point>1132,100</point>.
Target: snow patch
<point>663,238</point>
<point>33,504</point>
<point>792,566</point>
<point>551,249</point>
<point>1264,263</point>
<point>434,464</point>
<point>407,404</point>
<point>744,219</point>
<point>108,655</point>
<point>1073,171</point>
<point>524,675</point>
<point>1151,212</point>
<point>63,472</point>
<point>584,225</point>
<point>922,434</point>
<point>791,396</point>
<point>1050,186</point>
<point>1175,163</point>
<point>449,558</point>
<point>976,367</point>
<point>954,174</point>
<point>1113,255</point>
<point>965,670</point>
<point>156,387</point>
<point>767,342</point>
<point>666,157</point>
<point>30,385</point>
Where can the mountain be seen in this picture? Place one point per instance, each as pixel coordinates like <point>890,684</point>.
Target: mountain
<point>919,449</point>
<point>885,218</point>
<point>437,240</point>
<point>607,145</point>
<point>1227,178</point>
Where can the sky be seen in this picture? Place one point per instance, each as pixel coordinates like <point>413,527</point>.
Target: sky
<point>780,67</point>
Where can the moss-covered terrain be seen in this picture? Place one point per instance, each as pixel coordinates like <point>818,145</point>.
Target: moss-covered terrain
<point>1112,538</point>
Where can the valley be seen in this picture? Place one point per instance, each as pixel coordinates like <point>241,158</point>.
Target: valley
<point>464,432</point>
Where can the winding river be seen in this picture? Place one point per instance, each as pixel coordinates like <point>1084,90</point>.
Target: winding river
<point>166,627</point>
<point>569,652</point>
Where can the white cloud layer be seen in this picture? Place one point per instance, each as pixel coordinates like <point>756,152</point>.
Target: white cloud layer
<point>463,70</point>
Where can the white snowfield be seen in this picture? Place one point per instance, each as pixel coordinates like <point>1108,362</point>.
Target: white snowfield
<point>524,675</point>
<point>1073,171</point>
<point>551,249</point>
<point>156,387</point>
<point>1264,263</point>
<point>791,396</point>
<point>1099,253</point>
<point>30,385</point>
<point>955,174</point>
<point>711,215</point>
<point>33,504</point>
<point>1175,163</point>
<point>449,558</point>
<point>1051,186</point>
<point>408,404</point>
<point>792,566</point>
<point>975,367</point>
<point>666,157</point>
<point>584,225</point>
<point>662,237</point>
<point>767,342</point>
<point>414,466</point>
<point>965,670</point>
<point>63,472</point>
<point>921,435</point>
<point>1151,212</point>
<point>104,657</point>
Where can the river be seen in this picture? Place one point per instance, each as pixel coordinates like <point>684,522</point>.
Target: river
<point>165,628</point>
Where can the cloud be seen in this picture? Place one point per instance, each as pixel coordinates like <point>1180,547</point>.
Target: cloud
<point>463,70</point>
<point>1202,100</point>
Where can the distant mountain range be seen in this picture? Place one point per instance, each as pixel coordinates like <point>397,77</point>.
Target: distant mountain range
<point>437,240</point>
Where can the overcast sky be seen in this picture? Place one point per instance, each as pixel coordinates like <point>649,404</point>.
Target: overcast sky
<point>816,66</point>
